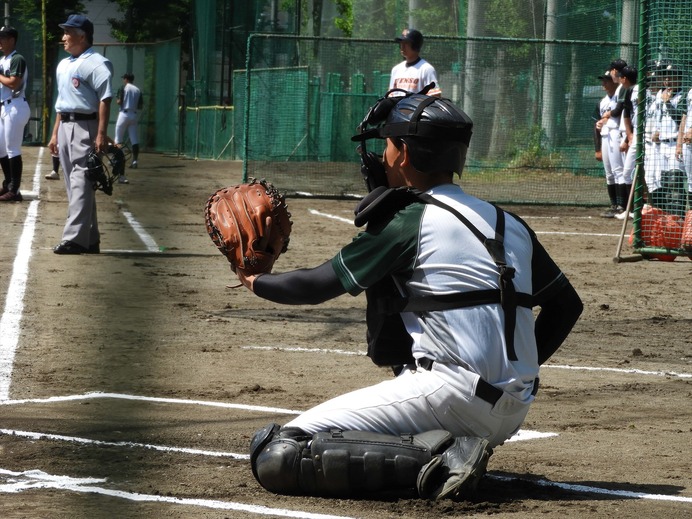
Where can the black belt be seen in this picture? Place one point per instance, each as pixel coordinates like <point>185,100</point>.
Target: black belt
<point>74,116</point>
<point>8,101</point>
<point>484,390</point>
<point>125,111</point>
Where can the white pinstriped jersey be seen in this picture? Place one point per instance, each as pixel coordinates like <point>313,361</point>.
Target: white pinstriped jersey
<point>428,251</point>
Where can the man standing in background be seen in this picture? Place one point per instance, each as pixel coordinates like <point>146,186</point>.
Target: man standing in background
<point>414,73</point>
<point>15,114</point>
<point>81,126</point>
<point>130,100</point>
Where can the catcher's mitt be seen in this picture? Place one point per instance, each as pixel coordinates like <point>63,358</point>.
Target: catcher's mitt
<point>236,220</point>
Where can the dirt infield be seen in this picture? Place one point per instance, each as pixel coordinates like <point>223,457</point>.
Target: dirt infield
<point>139,377</point>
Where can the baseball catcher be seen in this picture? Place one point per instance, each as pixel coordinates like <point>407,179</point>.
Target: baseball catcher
<point>250,225</point>
<point>451,283</point>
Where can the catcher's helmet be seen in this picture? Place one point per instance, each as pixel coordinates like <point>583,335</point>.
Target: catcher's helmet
<point>436,132</point>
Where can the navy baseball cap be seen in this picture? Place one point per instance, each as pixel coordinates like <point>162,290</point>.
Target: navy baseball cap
<point>413,36</point>
<point>79,21</point>
<point>606,75</point>
<point>9,31</point>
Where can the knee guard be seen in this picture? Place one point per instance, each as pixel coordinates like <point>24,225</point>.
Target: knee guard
<point>340,463</point>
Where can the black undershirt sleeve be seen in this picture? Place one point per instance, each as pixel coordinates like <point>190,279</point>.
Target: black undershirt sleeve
<point>560,304</point>
<point>300,287</point>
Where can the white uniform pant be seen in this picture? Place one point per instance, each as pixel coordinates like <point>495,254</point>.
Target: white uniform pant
<point>75,139</point>
<point>653,162</point>
<point>126,121</point>
<point>612,157</point>
<point>419,401</point>
<point>15,115</point>
<point>687,163</point>
<point>629,160</point>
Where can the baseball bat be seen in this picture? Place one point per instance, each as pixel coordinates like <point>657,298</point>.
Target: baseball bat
<point>630,199</point>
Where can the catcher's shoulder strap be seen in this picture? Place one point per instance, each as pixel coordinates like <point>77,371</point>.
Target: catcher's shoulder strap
<point>382,203</point>
<point>506,295</point>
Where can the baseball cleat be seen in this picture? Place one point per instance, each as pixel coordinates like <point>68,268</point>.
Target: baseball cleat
<point>53,175</point>
<point>455,473</point>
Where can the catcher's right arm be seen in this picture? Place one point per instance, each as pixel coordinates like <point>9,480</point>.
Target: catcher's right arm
<point>250,225</point>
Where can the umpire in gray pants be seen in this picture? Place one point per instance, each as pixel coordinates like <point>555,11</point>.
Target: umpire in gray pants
<point>81,124</point>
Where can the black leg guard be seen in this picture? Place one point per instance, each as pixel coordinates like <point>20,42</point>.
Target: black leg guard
<point>340,463</point>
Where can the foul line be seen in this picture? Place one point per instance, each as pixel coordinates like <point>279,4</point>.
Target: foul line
<point>33,479</point>
<point>14,302</point>
<point>350,221</point>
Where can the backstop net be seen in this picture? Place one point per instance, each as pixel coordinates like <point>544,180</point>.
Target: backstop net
<point>662,197</point>
<point>533,104</point>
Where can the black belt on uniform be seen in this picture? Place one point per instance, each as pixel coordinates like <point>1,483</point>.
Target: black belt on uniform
<point>125,111</point>
<point>73,116</point>
<point>484,390</point>
<point>8,101</point>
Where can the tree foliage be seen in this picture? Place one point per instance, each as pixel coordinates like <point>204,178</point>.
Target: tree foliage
<point>57,11</point>
<point>149,21</point>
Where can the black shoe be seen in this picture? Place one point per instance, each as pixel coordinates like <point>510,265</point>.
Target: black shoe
<point>455,473</point>
<point>10,196</point>
<point>69,247</point>
<point>94,248</point>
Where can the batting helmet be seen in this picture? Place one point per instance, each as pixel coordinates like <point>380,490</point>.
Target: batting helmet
<point>436,132</point>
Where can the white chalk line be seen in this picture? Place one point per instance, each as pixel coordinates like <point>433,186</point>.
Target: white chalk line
<point>121,396</point>
<point>101,443</point>
<point>146,238</point>
<point>37,479</point>
<point>520,436</point>
<point>563,233</point>
<point>14,301</point>
<point>596,490</point>
<point>546,366</point>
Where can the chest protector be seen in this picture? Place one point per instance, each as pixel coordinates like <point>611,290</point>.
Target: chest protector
<point>389,344</point>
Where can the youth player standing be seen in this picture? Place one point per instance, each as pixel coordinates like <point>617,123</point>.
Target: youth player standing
<point>15,114</point>
<point>450,282</point>
<point>130,100</point>
<point>414,73</point>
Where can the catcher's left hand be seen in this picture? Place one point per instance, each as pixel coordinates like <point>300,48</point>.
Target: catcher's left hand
<point>250,225</point>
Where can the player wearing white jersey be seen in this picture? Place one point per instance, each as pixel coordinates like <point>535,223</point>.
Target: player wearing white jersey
<point>450,281</point>
<point>15,114</point>
<point>684,145</point>
<point>130,100</point>
<point>610,148</point>
<point>414,73</point>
